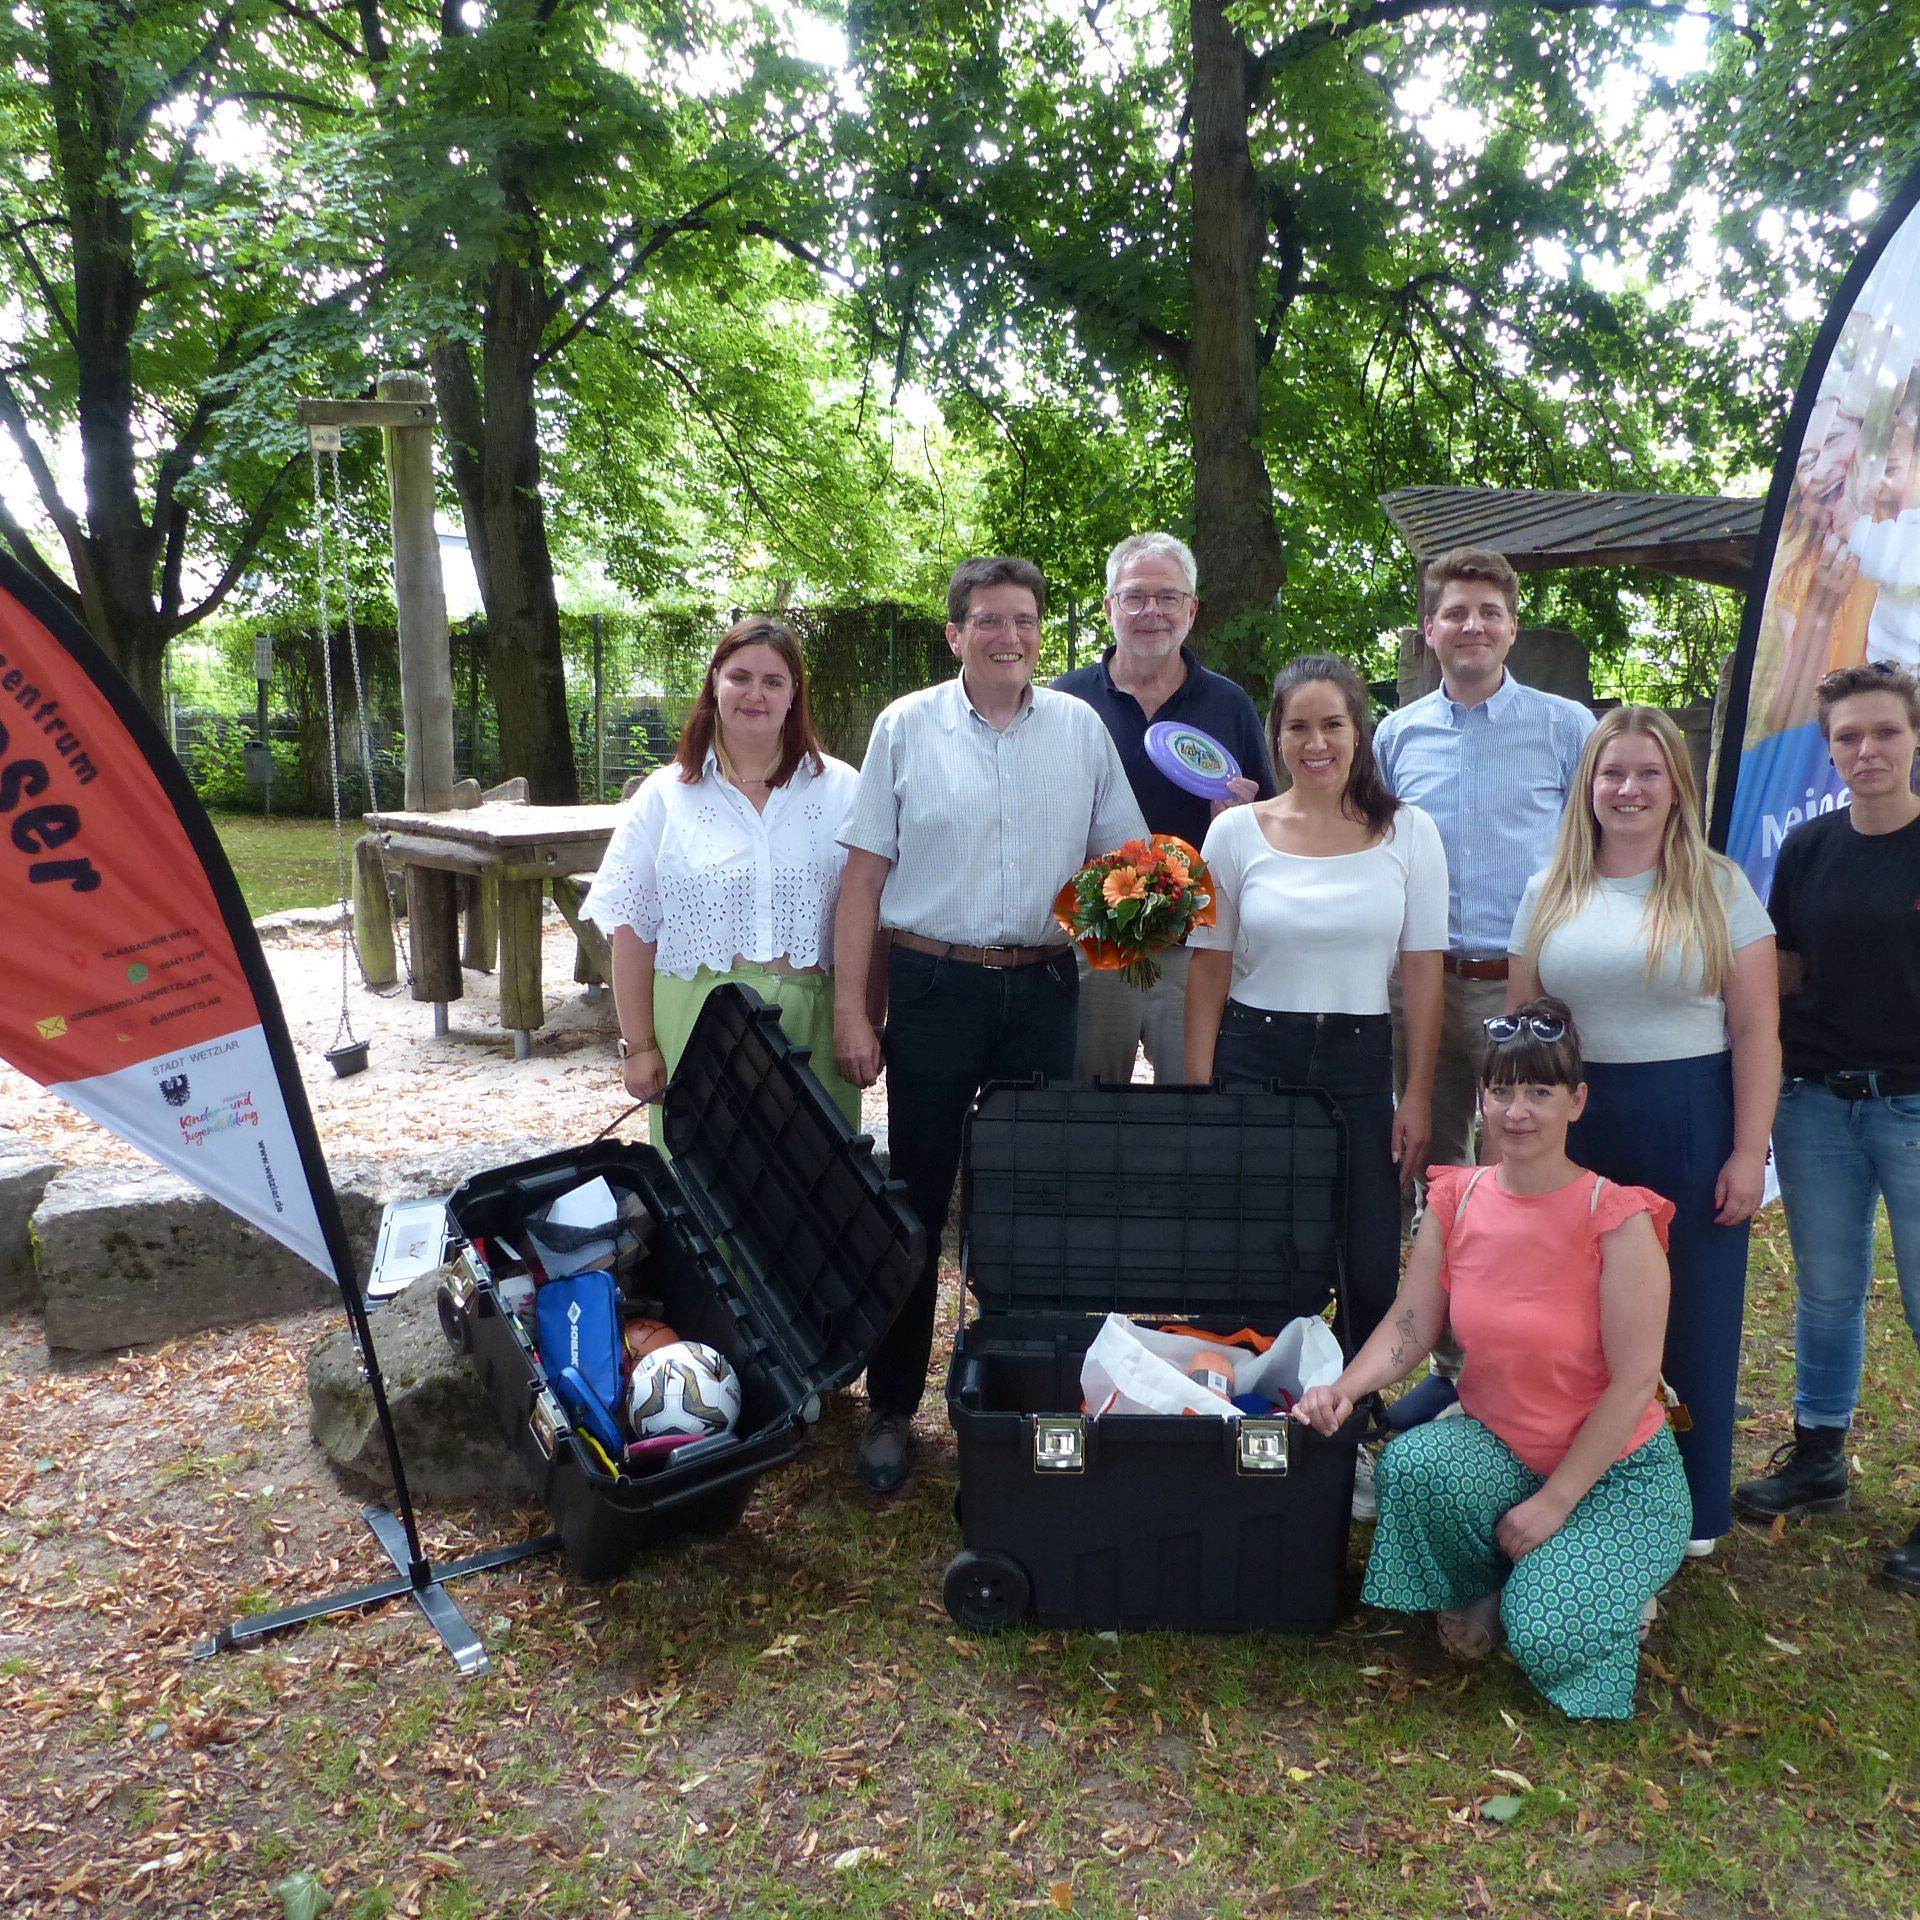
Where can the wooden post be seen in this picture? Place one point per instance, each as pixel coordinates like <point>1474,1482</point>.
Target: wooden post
<point>599,723</point>
<point>522,1005</point>
<point>372,913</point>
<point>433,930</point>
<point>593,956</point>
<point>482,939</point>
<point>420,598</point>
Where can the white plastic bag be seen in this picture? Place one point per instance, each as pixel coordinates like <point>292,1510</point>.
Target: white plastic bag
<point>1134,1369</point>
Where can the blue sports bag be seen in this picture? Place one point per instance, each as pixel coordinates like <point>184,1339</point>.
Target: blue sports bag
<point>577,1324</point>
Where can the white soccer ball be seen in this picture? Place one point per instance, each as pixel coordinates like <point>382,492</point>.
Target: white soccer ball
<point>684,1387</point>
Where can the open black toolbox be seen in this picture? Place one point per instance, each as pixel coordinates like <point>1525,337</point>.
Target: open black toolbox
<point>776,1239</point>
<point>1219,1208</point>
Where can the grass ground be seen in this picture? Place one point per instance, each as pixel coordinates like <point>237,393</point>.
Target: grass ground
<point>784,1723</point>
<point>280,862</point>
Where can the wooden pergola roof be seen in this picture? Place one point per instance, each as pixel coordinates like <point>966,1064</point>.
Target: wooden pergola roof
<point>1696,537</point>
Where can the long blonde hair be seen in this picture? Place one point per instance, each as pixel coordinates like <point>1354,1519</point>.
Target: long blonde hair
<point>1685,912</point>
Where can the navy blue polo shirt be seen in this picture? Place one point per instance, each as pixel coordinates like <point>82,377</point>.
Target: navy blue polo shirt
<point>1209,701</point>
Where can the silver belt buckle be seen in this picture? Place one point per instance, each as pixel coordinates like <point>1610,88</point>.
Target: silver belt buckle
<point>987,959</point>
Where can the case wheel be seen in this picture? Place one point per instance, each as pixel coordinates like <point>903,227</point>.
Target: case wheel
<point>986,1591</point>
<point>454,1323</point>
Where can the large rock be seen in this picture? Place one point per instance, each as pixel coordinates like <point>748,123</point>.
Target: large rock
<point>25,1174</point>
<point>448,1440</point>
<point>132,1254</point>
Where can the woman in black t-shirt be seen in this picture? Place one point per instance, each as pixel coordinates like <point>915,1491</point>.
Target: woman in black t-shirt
<point>1846,905</point>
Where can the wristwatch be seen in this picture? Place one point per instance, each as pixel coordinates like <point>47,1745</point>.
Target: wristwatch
<point>625,1050</point>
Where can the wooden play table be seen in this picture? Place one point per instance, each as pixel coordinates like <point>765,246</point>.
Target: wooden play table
<point>501,856</point>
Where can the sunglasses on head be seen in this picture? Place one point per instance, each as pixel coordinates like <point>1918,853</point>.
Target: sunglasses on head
<point>1502,1027</point>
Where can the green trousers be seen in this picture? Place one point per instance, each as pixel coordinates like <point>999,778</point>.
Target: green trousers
<point>1572,1607</point>
<point>805,1001</point>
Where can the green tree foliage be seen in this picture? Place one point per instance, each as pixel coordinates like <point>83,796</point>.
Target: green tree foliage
<point>1434,289</point>
<point>163,293</point>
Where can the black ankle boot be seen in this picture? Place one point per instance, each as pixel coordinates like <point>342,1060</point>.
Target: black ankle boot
<point>1901,1568</point>
<point>1807,1475</point>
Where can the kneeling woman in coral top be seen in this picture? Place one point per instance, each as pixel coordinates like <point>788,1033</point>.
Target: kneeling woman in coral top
<point>1556,1506</point>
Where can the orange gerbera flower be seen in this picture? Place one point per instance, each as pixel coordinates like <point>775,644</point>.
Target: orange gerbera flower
<point>1122,884</point>
<point>1134,850</point>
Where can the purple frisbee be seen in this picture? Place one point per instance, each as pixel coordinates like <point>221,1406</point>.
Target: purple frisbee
<point>1192,759</point>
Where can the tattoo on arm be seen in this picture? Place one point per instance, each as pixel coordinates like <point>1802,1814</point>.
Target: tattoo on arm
<point>1405,1327</point>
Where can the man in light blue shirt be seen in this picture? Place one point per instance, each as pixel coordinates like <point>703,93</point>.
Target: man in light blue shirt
<point>1492,762</point>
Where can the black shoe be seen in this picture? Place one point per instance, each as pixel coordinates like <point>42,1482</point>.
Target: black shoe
<point>1901,1568</point>
<point>1807,1475</point>
<point>882,1459</point>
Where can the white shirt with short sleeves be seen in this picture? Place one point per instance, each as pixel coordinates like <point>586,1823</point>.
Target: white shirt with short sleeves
<point>1597,963</point>
<point>699,870</point>
<point>1322,934</point>
<point>983,825</point>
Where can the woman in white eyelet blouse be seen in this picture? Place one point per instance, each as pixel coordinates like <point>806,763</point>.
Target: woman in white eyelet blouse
<point>727,864</point>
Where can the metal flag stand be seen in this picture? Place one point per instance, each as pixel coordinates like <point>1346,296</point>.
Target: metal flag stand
<point>404,409</point>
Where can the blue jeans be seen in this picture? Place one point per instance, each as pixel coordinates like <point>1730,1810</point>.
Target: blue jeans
<point>952,1027</point>
<point>1835,1158</point>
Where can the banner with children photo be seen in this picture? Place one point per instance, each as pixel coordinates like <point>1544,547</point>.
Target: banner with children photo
<point>1837,569</point>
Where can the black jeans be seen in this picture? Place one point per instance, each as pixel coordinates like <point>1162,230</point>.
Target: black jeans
<point>1349,1058</point>
<point>951,1028</point>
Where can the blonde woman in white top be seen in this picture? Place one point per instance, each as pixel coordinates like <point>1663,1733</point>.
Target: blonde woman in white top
<point>1666,958</point>
<point>1319,894</point>
<point>727,865</point>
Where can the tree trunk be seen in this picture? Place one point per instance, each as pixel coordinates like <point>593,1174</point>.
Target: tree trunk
<point>113,555</point>
<point>1242,566</point>
<point>493,431</point>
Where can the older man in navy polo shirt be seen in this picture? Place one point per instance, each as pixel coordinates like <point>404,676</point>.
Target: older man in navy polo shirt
<point>1150,674</point>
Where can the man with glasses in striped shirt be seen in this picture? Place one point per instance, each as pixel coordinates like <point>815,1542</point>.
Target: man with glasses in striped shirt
<point>978,800</point>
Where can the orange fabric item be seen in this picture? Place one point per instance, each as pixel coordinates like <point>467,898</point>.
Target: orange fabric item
<point>1523,1273</point>
<point>1246,1337</point>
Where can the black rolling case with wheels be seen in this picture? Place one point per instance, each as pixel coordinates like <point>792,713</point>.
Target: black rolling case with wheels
<point>1218,1208</point>
<point>773,1236</point>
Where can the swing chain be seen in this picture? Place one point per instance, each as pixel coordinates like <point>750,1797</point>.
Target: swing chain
<point>345,1025</point>
<point>360,706</point>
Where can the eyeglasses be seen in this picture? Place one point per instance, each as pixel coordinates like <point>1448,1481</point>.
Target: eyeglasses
<point>1026,625</point>
<point>1502,1027</point>
<point>1165,601</point>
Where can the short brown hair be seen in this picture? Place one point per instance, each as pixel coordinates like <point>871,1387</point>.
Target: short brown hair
<point>1870,676</point>
<point>1002,570</point>
<point>798,741</point>
<point>1528,1061</point>
<point>1467,563</point>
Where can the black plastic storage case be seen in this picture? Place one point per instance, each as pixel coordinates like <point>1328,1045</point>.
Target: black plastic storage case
<point>776,1240</point>
<point>1221,1208</point>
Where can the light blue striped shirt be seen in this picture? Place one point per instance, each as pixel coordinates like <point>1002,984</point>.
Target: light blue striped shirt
<point>984,828</point>
<point>1494,779</point>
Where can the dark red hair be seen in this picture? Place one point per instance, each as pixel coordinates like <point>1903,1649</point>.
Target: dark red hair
<point>798,741</point>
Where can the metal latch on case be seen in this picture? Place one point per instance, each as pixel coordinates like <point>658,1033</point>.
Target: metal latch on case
<point>1059,1444</point>
<point>548,1423</point>
<point>464,1278</point>
<point>1260,1446</point>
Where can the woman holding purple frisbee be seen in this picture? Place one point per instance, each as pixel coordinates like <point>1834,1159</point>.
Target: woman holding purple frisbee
<point>1320,894</point>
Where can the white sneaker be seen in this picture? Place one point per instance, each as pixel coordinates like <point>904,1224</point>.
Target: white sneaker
<point>1366,1502</point>
<point>1701,1549</point>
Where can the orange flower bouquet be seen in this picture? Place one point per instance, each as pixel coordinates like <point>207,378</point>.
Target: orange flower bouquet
<point>1127,907</point>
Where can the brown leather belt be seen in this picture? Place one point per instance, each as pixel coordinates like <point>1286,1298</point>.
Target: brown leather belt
<point>1494,968</point>
<point>975,956</point>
